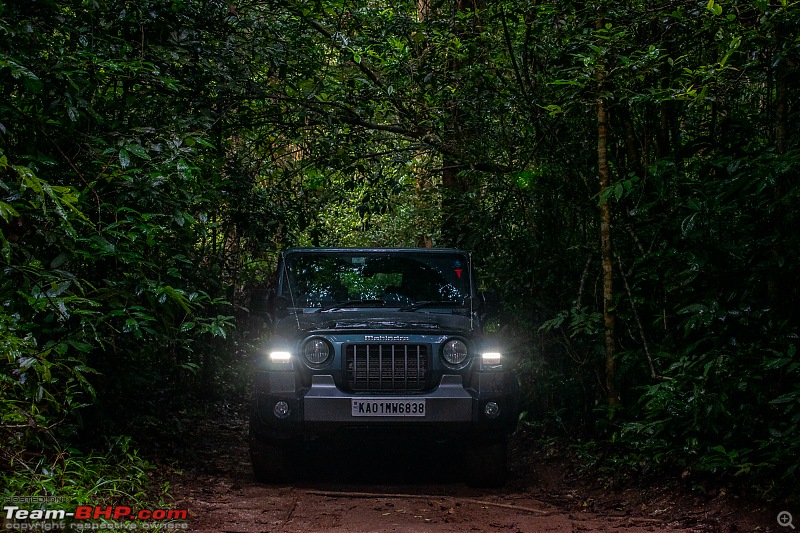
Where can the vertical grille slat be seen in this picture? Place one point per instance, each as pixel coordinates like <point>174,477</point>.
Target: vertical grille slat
<point>386,366</point>
<point>405,362</point>
<point>418,374</point>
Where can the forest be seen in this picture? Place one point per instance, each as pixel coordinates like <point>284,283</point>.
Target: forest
<point>623,173</point>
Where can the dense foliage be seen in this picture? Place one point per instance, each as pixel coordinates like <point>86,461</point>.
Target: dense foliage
<point>156,155</point>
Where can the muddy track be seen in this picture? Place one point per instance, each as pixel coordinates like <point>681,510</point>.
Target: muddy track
<point>344,489</point>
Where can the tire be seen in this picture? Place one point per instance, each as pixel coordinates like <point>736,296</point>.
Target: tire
<point>273,462</point>
<point>487,463</point>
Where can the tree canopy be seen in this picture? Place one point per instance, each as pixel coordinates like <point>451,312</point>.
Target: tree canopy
<point>623,172</point>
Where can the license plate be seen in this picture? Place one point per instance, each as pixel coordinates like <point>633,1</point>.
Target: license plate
<point>388,407</point>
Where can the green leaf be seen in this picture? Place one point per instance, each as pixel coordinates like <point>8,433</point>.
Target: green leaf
<point>81,347</point>
<point>138,151</point>
<point>59,260</point>
<point>713,7</point>
<point>124,158</point>
<point>553,109</point>
<point>8,212</point>
<point>786,398</point>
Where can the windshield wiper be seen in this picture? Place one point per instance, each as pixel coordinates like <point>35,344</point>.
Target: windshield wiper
<point>352,303</point>
<point>431,303</point>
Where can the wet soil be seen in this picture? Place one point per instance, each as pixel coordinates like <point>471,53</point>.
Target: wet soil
<point>349,487</point>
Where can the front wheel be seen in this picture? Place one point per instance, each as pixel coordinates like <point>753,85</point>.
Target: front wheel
<point>273,462</point>
<point>486,463</point>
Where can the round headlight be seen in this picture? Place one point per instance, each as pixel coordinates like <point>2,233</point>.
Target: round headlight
<point>454,352</point>
<point>316,351</point>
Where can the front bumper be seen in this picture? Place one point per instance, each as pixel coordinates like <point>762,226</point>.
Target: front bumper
<point>450,408</point>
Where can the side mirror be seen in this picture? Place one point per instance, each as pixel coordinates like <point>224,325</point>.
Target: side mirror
<point>279,302</point>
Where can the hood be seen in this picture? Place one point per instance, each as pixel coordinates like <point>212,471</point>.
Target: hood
<point>374,320</point>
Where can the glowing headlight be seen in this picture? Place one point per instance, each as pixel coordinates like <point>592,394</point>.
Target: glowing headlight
<point>280,357</point>
<point>454,352</point>
<point>316,351</point>
<point>491,360</point>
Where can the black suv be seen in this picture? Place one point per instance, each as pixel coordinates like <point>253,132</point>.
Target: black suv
<point>380,340</point>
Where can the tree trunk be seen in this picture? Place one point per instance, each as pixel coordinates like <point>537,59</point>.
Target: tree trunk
<point>604,175</point>
<point>781,111</point>
<point>609,318</point>
<point>454,186</point>
<point>632,150</point>
<point>775,294</point>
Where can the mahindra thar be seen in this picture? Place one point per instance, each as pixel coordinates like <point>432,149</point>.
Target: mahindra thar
<point>386,341</point>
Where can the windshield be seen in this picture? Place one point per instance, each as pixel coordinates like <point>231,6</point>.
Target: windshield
<point>332,280</point>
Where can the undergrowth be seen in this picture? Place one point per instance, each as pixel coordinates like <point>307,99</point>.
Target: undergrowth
<point>117,475</point>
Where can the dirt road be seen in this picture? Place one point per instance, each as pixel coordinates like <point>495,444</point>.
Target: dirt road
<point>347,489</point>
<point>236,505</point>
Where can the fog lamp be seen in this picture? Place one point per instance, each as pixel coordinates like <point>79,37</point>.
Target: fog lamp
<point>281,410</point>
<point>491,409</point>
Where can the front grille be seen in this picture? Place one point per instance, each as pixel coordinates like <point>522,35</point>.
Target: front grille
<point>386,367</point>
